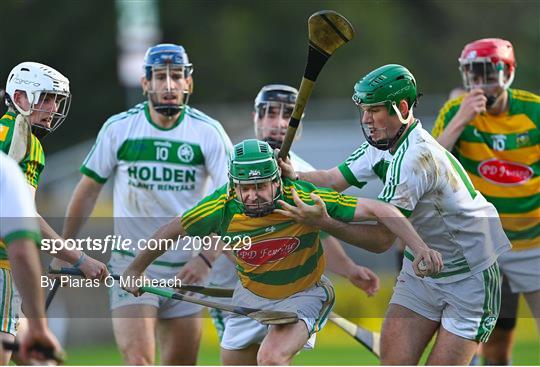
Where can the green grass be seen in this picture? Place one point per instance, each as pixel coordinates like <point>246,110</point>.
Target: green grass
<point>333,348</point>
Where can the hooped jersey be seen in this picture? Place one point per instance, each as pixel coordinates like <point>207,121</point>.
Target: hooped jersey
<point>31,166</point>
<point>223,273</point>
<point>501,155</point>
<point>159,172</point>
<point>17,210</point>
<point>285,257</point>
<point>34,161</point>
<point>430,187</point>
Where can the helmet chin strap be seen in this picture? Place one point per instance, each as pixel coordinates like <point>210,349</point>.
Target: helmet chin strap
<point>398,113</point>
<point>39,131</point>
<point>168,109</point>
<point>491,99</point>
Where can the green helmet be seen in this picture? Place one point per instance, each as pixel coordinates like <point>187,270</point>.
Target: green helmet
<point>253,163</point>
<point>386,85</point>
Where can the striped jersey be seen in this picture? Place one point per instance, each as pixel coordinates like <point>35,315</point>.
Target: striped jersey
<point>31,165</point>
<point>17,210</point>
<point>285,257</point>
<point>34,162</point>
<point>501,155</point>
<point>430,187</point>
<point>159,172</point>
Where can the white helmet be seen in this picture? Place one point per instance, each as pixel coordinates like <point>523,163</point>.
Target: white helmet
<point>38,81</point>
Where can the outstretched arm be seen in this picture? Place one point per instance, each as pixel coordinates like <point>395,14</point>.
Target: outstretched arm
<point>356,234</point>
<point>338,262</point>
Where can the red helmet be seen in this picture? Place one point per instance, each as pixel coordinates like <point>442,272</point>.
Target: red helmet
<point>494,53</point>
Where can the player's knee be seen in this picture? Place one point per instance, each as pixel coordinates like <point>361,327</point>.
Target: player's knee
<point>269,357</point>
<point>497,355</point>
<point>137,359</point>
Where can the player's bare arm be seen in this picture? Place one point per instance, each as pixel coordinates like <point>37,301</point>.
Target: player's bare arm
<point>473,104</point>
<point>332,178</point>
<point>338,262</point>
<point>194,271</point>
<point>81,205</point>
<point>24,259</point>
<point>369,237</point>
<point>92,269</point>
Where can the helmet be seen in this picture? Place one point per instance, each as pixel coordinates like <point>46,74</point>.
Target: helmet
<point>39,82</point>
<point>387,86</point>
<point>253,163</point>
<point>488,57</point>
<point>274,99</point>
<point>167,56</point>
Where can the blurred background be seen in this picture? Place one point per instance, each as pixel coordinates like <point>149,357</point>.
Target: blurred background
<point>236,47</point>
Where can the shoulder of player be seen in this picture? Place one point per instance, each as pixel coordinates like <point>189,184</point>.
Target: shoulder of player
<point>451,105</point>
<point>119,120</point>
<point>209,205</point>
<point>365,150</point>
<point>526,103</point>
<point>199,117</point>
<point>524,96</point>
<point>8,165</point>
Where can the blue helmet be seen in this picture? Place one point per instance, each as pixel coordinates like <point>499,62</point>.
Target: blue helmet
<point>166,54</point>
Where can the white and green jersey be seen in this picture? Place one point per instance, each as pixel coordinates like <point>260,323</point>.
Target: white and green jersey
<point>224,272</point>
<point>18,218</point>
<point>430,186</point>
<point>159,173</point>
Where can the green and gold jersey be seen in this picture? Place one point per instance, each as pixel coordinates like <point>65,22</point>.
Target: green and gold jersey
<point>17,211</point>
<point>285,257</point>
<point>34,162</point>
<point>501,154</point>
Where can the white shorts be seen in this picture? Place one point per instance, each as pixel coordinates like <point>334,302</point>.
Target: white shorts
<point>312,305</point>
<point>167,308</point>
<point>522,269</point>
<point>10,303</point>
<point>468,308</point>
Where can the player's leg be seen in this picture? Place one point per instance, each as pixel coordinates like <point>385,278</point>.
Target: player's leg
<point>282,343</point>
<point>451,349</point>
<point>241,339</point>
<point>240,357</point>
<point>6,354</point>
<point>469,317</point>
<point>188,330</point>
<point>134,330</point>
<point>412,318</point>
<point>533,300</point>
<point>498,349</point>
<point>10,307</point>
<point>404,336</point>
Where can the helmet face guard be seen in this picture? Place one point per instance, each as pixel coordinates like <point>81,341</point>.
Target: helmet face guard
<point>47,93</point>
<point>255,176</point>
<point>53,107</point>
<point>166,65</point>
<point>273,106</point>
<point>385,87</point>
<point>488,64</point>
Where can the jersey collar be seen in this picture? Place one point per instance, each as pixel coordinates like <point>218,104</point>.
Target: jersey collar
<point>149,118</point>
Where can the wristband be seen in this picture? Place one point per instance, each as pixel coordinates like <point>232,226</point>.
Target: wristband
<point>205,259</point>
<point>79,262</point>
